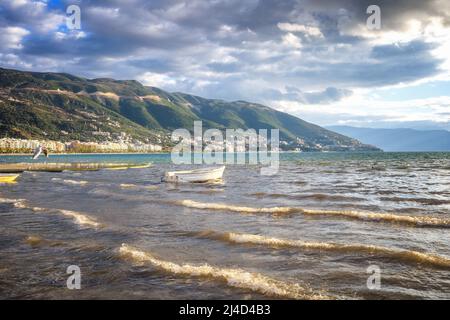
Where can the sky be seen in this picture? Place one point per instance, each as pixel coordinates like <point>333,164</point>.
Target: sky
<point>317,60</point>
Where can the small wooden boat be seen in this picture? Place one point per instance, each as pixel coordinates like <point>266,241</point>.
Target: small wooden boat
<point>195,176</point>
<point>8,178</point>
<point>138,166</point>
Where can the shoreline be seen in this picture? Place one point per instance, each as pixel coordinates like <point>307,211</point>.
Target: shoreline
<point>168,152</point>
<point>82,153</point>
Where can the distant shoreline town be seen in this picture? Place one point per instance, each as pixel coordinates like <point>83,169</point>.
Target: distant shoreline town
<point>17,146</point>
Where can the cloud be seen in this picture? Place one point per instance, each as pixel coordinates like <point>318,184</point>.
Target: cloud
<point>362,110</point>
<point>409,50</point>
<point>295,27</point>
<point>263,38</point>
<point>31,15</point>
<point>157,79</point>
<point>291,40</point>
<point>326,96</point>
<point>11,37</point>
<point>310,52</point>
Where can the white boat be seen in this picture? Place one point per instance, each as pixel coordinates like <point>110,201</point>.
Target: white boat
<point>197,175</point>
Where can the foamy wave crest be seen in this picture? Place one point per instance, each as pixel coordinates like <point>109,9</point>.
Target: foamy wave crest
<point>13,201</point>
<point>405,255</point>
<point>234,277</point>
<point>81,218</point>
<point>387,217</point>
<point>314,196</point>
<point>20,204</point>
<point>226,207</point>
<point>128,185</point>
<point>358,215</point>
<point>135,186</point>
<point>72,182</point>
<point>23,205</point>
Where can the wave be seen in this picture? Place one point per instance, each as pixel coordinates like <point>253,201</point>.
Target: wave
<point>425,201</point>
<point>22,205</point>
<point>75,182</point>
<point>234,277</point>
<point>72,182</point>
<point>401,254</point>
<point>134,186</point>
<point>78,217</point>
<point>191,191</point>
<point>128,186</point>
<point>81,218</point>
<point>372,168</point>
<point>226,207</point>
<point>352,214</point>
<point>14,201</point>
<point>385,217</point>
<point>314,196</point>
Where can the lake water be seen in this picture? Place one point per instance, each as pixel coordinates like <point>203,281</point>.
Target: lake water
<point>309,232</point>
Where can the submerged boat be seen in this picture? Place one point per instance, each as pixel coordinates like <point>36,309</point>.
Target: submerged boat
<point>8,178</point>
<point>138,166</point>
<point>59,167</point>
<point>195,176</point>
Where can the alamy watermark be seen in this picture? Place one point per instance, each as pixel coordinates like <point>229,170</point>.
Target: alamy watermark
<point>211,147</point>
<point>374,280</point>
<point>374,20</point>
<point>73,19</point>
<point>74,280</point>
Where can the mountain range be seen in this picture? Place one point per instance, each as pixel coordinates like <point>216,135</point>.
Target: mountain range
<point>64,107</point>
<point>399,139</point>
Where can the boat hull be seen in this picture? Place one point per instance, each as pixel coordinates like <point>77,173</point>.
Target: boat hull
<point>59,167</point>
<point>8,178</point>
<point>195,176</point>
<point>143,166</point>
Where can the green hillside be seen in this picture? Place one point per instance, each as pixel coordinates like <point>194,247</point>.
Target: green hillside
<point>64,107</point>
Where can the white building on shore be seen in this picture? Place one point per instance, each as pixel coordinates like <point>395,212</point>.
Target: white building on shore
<point>10,145</point>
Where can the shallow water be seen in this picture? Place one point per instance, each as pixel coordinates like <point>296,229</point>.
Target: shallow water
<point>310,232</point>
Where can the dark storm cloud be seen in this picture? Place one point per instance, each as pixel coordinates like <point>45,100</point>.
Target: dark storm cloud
<point>326,96</point>
<point>390,64</point>
<point>410,50</point>
<point>231,49</point>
